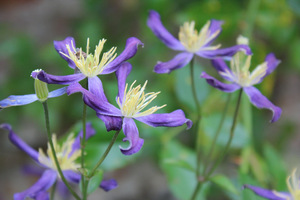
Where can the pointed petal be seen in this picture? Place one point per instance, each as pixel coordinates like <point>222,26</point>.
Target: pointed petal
<point>173,119</point>
<point>58,92</point>
<point>111,122</point>
<point>155,24</point>
<point>220,65</point>
<point>18,100</point>
<point>129,51</point>
<point>260,101</point>
<point>272,63</point>
<point>132,136</point>
<point>42,185</point>
<point>219,85</point>
<point>90,131</point>
<point>215,26</point>
<point>122,74</point>
<point>99,105</point>
<point>61,80</point>
<point>20,143</point>
<point>226,52</point>
<point>179,61</point>
<point>269,194</point>
<point>96,87</point>
<point>108,185</point>
<point>61,46</point>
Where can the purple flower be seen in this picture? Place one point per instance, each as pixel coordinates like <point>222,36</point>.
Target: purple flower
<point>240,77</point>
<point>293,184</point>
<point>132,102</point>
<point>86,64</point>
<point>190,43</point>
<point>67,153</point>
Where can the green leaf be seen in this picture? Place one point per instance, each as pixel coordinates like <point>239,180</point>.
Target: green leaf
<point>180,163</point>
<point>224,183</point>
<point>95,181</point>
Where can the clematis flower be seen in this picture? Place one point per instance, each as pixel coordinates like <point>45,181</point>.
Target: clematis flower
<point>293,184</point>
<point>41,94</point>
<point>67,153</point>
<point>132,102</point>
<point>240,77</point>
<point>190,43</point>
<point>88,65</point>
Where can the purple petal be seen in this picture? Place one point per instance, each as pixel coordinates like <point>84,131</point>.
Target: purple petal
<point>179,61</point>
<point>226,52</point>
<point>132,136</point>
<point>219,85</point>
<point>90,131</point>
<point>129,51</point>
<point>154,23</point>
<point>61,80</point>
<point>72,176</point>
<point>61,46</point>
<point>43,195</point>
<point>269,194</point>
<point>20,143</point>
<point>63,190</point>
<point>260,101</point>
<point>272,63</point>
<point>99,105</point>
<point>58,92</point>
<point>108,185</point>
<point>173,119</point>
<point>220,65</point>
<point>111,123</point>
<point>95,87</point>
<point>18,100</point>
<point>122,74</point>
<point>215,25</point>
<point>43,184</point>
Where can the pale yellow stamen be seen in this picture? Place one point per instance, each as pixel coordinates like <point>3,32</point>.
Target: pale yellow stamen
<point>66,162</point>
<point>194,41</point>
<point>89,64</point>
<point>135,100</point>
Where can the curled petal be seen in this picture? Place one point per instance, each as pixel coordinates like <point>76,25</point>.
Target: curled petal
<point>132,136</point>
<point>61,47</point>
<point>20,143</point>
<point>269,194</point>
<point>173,119</point>
<point>154,23</point>
<point>61,80</point>
<point>122,74</point>
<point>58,92</point>
<point>111,122</point>
<point>108,185</point>
<point>18,100</point>
<point>226,52</point>
<point>37,190</point>
<point>99,105</point>
<point>220,65</point>
<point>129,51</point>
<point>90,131</point>
<point>272,63</point>
<point>179,61</point>
<point>219,85</point>
<point>96,87</point>
<point>260,101</point>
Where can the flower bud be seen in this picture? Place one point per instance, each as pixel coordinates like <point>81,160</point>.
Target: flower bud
<point>41,90</point>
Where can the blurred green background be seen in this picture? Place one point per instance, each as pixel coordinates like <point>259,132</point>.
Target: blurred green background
<point>27,31</point>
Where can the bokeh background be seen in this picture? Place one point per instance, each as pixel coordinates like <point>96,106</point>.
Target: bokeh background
<point>27,31</point>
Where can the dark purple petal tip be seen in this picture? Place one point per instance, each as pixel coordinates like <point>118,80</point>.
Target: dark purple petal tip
<point>269,194</point>
<point>108,185</point>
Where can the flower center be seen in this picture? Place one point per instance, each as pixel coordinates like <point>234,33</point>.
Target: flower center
<point>240,64</point>
<point>194,41</point>
<point>65,160</point>
<point>135,100</point>
<point>89,64</point>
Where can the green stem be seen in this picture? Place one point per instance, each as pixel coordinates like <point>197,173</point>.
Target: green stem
<point>104,154</point>
<point>54,153</point>
<point>216,164</point>
<point>198,187</point>
<point>217,133</point>
<point>82,146</point>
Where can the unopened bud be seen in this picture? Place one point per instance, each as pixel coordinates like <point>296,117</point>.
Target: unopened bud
<point>41,90</point>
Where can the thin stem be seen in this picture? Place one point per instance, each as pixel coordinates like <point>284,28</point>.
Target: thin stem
<point>54,153</point>
<point>217,133</point>
<point>104,154</point>
<point>82,146</point>
<point>198,187</point>
<point>216,164</point>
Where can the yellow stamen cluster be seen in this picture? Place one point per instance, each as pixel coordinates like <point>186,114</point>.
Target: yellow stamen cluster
<point>240,64</point>
<point>66,161</point>
<point>89,64</point>
<point>135,100</point>
<point>194,41</point>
